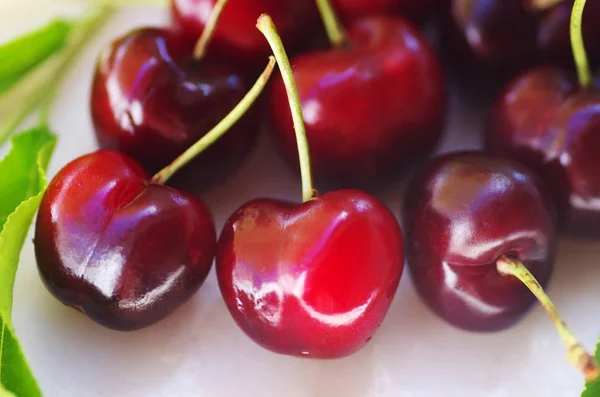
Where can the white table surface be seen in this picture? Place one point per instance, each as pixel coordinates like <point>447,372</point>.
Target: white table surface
<point>199,351</point>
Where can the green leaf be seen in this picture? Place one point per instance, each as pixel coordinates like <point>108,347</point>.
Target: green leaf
<point>22,181</point>
<point>23,54</point>
<point>592,389</point>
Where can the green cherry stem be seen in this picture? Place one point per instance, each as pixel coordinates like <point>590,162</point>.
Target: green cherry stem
<point>576,354</point>
<point>267,28</point>
<point>209,29</point>
<point>579,54</point>
<point>219,130</point>
<point>334,29</point>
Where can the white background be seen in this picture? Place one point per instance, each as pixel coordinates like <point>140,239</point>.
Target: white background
<point>199,351</point>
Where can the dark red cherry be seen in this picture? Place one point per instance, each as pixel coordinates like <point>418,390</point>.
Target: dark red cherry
<point>314,279</point>
<point>236,37</point>
<point>465,211</point>
<point>123,251</point>
<point>496,39</point>
<point>371,108</point>
<point>152,101</point>
<point>416,10</point>
<point>545,121</point>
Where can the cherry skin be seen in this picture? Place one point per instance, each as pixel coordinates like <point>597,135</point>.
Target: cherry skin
<point>125,252</point>
<point>236,38</point>
<point>151,101</point>
<point>314,279</point>
<point>546,121</point>
<point>371,108</point>
<point>416,10</point>
<point>464,211</point>
<point>501,38</point>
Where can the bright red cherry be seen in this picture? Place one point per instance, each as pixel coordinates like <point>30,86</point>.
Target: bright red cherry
<point>546,121</point>
<point>416,10</point>
<point>123,251</point>
<point>463,213</point>
<point>496,39</point>
<point>372,106</point>
<point>314,279</point>
<point>151,100</point>
<point>236,37</point>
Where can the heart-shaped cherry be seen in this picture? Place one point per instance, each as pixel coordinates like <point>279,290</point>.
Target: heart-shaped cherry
<point>416,10</point>
<point>546,121</point>
<point>124,249</point>
<point>313,279</point>
<point>235,38</point>
<point>480,232</point>
<point>373,105</point>
<point>492,40</point>
<point>152,100</point>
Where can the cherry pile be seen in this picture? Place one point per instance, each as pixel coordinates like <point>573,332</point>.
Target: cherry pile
<point>316,278</point>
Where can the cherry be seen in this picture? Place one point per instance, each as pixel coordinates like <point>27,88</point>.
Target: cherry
<point>235,37</point>
<point>502,38</point>
<point>151,100</point>
<point>123,248</point>
<point>545,120</point>
<point>373,105</point>
<point>416,10</point>
<point>481,231</point>
<point>313,279</point>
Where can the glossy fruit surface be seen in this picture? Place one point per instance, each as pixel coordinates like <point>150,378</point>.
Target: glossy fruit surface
<point>125,252</point>
<point>416,10</point>
<point>371,109</point>
<point>464,211</point>
<point>505,37</point>
<point>545,121</point>
<point>236,37</point>
<point>151,101</point>
<point>314,279</point>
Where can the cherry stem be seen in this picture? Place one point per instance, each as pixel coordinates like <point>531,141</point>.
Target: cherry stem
<point>219,130</point>
<point>209,29</point>
<point>334,29</point>
<point>579,54</point>
<point>576,354</point>
<point>267,28</point>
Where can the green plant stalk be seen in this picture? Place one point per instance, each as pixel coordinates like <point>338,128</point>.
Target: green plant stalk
<point>581,60</point>
<point>41,86</point>
<point>267,28</point>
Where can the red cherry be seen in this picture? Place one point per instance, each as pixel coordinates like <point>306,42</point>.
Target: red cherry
<point>496,39</point>
<point>464,212</point>
<point>236,37</point>
<point>371,107</point>
<point>124,251</point>
<point>314,279</point>
<point>416,10</point>
<point>543,120</point>
<point>151,100</point>
<point>481,242</point>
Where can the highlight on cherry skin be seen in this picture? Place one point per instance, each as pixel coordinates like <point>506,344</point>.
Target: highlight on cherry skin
<point>463,212</point>
<point>125,252</point>
<point>151,99</point>
<point>374,105</point>
<point>546,120</point>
